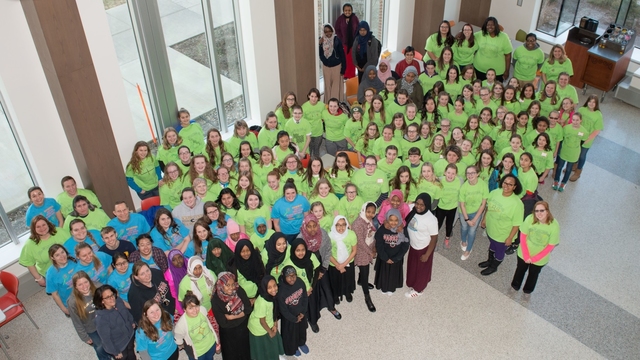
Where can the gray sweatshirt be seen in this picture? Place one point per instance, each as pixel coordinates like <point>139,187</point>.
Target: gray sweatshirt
<point>88,325</point>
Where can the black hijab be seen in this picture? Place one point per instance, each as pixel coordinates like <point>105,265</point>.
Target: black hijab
<point>275,257</point>
<point>304,263</point>
<point>426,199</point>
<point>262,290</point>
<point>251,268</point>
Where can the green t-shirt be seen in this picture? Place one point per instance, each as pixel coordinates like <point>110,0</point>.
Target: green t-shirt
<point>186,284</point>
<point>258,242</point>
<point>167,156</point>
<point>463,53</point>
<point>269,196</point>
<point>350,209</point>
<point>568,92</point>
<point>415,170</point>
<point>458,120</point>
<point>66,202</point>
<point>261,309</point>
<point>591,121</point>
<point>444,111</point>
<point>394,108</point>
<point>234,143</point>
<point>353,130</point>
<point>542,160</point>
<point>37,255</point>
<point>433,189</point>
<point>193,137</point>
<point>339,180</point>
<point>298,131</point>
<point>389,169</point>
<point>503,213</point>
<point>432,157</point>
<point>529,181</point>
<point>538,237</point>
<point>556,135</point>
<point>472,195</point>
<point>260,174</point>
<point>370,150</point>
<point>370,187</point>
<point>334,125</point>
<point>170,193</point>
<point>468,159</point>
<point>427,82</point>
<point>546,106</point>
<point>302,273</point>
<point>501,138</point>
<point>513,106</point>
<point>200,333</point>
<point>440,166</point>
<point>330,202</point>
<point>527,62</point>
<point>572,137</point>
<point>420,143</point>
<point>454,90</point>
<point>471,108</point>
<point>279,154</point>
<point>552,71</point>
<point>377,118</point>
<point>146,179</point>
<point>432,45</point>
<point>508,149</point>
<point>313,114</point>
<point>281,118</point>
<point>350,241</point>
<point>267,138</point>
<point>298,180</point>
<point>95,220</point>
<point>388,97</point>
<point>249,287</point>
<point>450,193</point>
<point>380,146</point>
<point>491,52</point>
<point>247,218</point>
<point>326,222</point>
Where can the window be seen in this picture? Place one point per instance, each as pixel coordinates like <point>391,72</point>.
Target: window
<point>16,179</point>
<point>198,68</point>
<point>558,16</point>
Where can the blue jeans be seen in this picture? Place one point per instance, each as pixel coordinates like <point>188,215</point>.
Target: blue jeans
<point>290,237</point>
<point>583,157</point>
<point>148,194</point>
<point>567,174</point>
<point>468,233</point>
<point>97,346</point>
<point>206,356</point>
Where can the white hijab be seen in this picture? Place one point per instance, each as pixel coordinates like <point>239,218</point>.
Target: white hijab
<point>210,279</point>
<point>343,253</point>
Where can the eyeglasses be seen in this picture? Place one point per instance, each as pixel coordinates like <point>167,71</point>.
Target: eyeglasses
<point>122,263</point>
<point>444,125</point>
<point>540,211</point>
<point>351,192</point>
<point>508,184</point>
<point>471,173</point>
<point>173,172</point>
<point>369,164</point>
<point>291,99</point>
<point>553,117</point>
<point>212,212</point>
<point>109,297</point>
<point>291,162</point>
<point>485,94</point>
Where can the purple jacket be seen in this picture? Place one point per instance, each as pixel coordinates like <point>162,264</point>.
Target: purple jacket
<point>343,29</point>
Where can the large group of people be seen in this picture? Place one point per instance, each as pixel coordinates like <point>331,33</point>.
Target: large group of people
<point>257,229</point>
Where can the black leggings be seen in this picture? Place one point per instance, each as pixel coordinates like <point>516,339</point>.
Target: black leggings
<point>363,278</point>
<point>532,279</point>
<point>449,216</point>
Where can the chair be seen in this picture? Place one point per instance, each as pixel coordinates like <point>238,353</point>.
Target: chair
<point>150,202</point>
<point>352,90</point>
<point>452,23</point>
<point>353,159</point>
<point>10,305</point>
<point>305,161</point>
<point>521,35</point>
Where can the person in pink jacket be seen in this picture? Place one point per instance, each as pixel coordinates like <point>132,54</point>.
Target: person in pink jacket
<point>394,201</point>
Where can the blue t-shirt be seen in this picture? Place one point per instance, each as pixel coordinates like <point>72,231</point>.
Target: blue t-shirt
<point>59,280</point>
<point>219,233</point>
<point>290,214</point>
<point>161,349</point>
<point>100,275</point>
<point>175,238</point>
<point>152,263</point>
<point>121,282</point>
<point>48,210</point>
<point>136,225</point>
<point>71,243</point>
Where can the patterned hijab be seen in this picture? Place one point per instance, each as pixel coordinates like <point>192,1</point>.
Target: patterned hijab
<point>234,304</point>
<point>313,242</point>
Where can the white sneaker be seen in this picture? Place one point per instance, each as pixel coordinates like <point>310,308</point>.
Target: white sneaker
<point>466,255</point>
<point>389,293</point>
<point>463,247</point>
<point>282,357</point>
<point>412,294</point>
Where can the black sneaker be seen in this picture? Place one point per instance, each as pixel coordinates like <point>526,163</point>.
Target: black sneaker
<point>314,328</point>
<point>511,249</point>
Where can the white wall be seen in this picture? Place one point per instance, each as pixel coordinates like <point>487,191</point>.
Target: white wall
<point>513,17</point>
<point>258,25</point>
<point>30,104</point>
<point>452,10</point>
<point>400,24</point>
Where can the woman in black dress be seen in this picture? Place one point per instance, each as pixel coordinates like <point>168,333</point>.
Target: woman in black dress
<point>391,245</point>
<point>231,308</point>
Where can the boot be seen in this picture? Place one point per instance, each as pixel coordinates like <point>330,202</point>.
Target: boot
<point>575,166</point>
<point>485,264</point>
<point>576,175</point>
<point>492,268</point>
<point>367,300</point>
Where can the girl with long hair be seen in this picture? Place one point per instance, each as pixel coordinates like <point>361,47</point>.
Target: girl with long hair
<point>143,171</point>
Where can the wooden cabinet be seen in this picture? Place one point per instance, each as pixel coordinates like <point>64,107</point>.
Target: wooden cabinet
<point>605,68</point>
<point>578,54</point>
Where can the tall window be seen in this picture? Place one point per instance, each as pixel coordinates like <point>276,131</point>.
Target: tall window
<point>558,16</point>
<point>179,55</point>
<point>15,180</point>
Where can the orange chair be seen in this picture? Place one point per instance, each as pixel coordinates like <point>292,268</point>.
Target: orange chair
<point>10,305</point>
<point>305,161</point>
<point>150,202</point>
<point>353,159</point>
<point>352,90</point>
